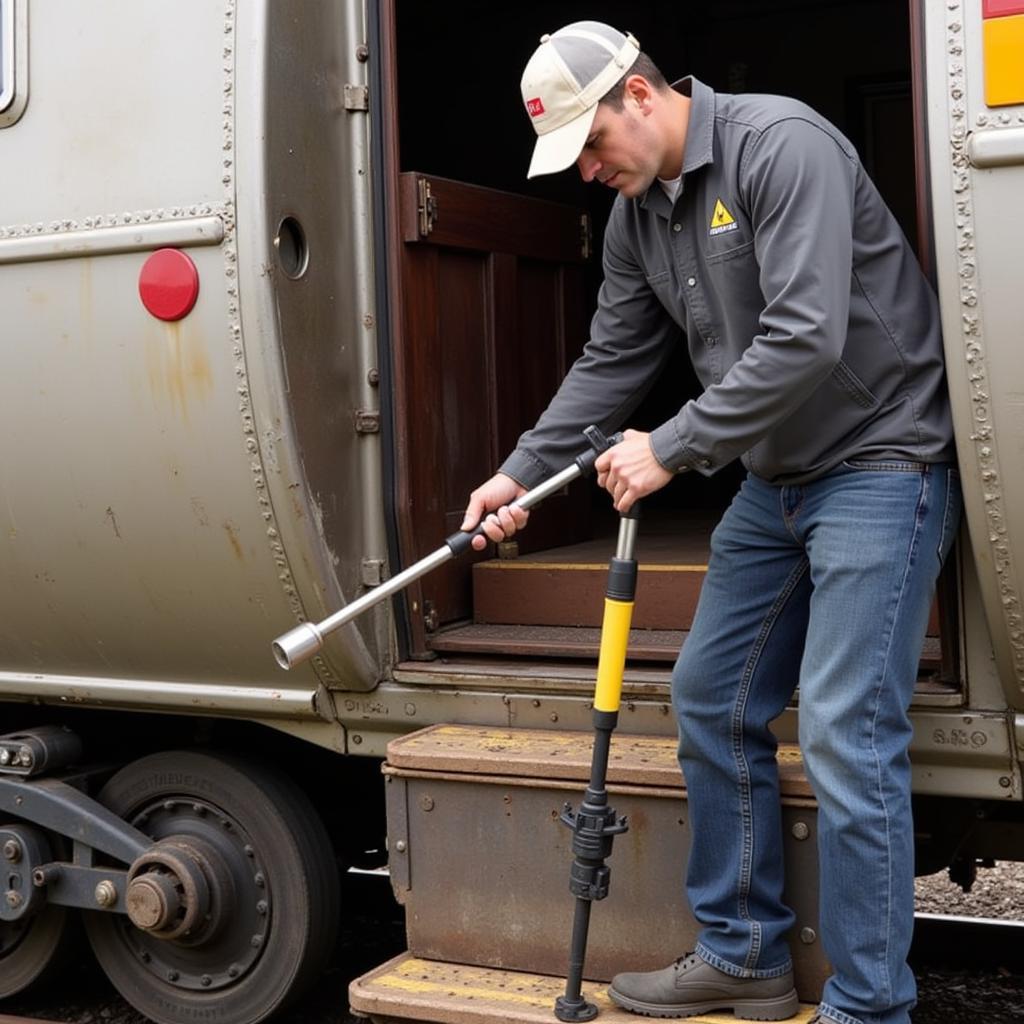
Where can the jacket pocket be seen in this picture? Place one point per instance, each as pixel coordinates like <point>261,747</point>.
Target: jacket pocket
<point>843,376</point>
<point>729,254</point>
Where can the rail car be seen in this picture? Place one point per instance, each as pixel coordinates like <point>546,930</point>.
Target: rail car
<point>275,294</point>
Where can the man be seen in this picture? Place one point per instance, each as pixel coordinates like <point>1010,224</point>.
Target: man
<point>749,222</point>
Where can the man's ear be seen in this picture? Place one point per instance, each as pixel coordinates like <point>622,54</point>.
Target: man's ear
<point>640,91</point>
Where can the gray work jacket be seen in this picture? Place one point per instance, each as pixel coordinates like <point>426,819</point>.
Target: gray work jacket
<point>809,324</point>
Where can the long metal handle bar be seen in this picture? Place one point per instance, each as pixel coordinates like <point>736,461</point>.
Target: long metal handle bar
<point>596,824</point>
<point>302,642</point>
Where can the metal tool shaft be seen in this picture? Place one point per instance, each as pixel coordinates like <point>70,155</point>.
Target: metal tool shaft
<point>302,642</point>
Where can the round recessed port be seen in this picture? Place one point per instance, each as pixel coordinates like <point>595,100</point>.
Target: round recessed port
<point>292,250</point>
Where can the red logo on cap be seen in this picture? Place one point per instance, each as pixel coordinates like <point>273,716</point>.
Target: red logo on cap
<point>534,107</point>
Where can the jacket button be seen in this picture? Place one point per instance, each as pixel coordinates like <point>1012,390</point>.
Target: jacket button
<point>691,281</point>
<point>677,226</point>
<point>705,463</point>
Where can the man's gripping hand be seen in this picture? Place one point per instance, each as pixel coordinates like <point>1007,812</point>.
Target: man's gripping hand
<point>629,471</point>
<point>495,496</point>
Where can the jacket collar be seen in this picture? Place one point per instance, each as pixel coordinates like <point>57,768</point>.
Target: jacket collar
<point>699,145</point>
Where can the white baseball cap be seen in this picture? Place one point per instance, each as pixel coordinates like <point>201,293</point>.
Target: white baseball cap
<point>564,80</point>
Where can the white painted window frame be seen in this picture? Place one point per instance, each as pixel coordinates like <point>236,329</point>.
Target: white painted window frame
<point>13,60</point>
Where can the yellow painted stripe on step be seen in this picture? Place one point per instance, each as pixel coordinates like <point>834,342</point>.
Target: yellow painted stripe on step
<point>425,986</point>
<point>456,989</point>
<point>588,566</point>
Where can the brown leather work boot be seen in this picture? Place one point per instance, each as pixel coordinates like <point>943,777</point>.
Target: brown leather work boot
<point>691,986</point>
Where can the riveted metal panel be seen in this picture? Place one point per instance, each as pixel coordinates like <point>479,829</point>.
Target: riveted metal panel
<point>978,219</point>
<point>161,518</point>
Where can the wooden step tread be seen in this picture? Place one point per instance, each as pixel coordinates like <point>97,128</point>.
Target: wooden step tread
<point>554,754</point>
<point>653,645</point>
<point>409,988</point>
<point>555,641</point>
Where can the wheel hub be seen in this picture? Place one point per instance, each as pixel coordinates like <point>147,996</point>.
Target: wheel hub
<point>169,888</point>
<point>197,899</point>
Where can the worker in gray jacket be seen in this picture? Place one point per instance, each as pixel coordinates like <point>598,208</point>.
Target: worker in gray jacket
<point>748,223</point>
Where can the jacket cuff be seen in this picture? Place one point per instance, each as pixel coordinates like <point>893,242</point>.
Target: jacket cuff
<point>525,468</point>
<point>675,456</point>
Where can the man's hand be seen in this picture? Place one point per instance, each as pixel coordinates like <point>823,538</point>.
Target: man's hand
<point>495,496</point>
<point>629,471</point>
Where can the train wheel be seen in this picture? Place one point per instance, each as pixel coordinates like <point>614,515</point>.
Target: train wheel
<point>234,910</point>
<point>28,948</point>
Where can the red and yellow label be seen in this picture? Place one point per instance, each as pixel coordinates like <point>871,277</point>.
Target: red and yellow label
<point>1004,60</point>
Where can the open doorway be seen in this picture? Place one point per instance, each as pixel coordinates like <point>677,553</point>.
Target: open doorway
<point>497,292</point>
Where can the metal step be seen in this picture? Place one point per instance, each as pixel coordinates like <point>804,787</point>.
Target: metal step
<point>409,988</point>
<point>480,859</point>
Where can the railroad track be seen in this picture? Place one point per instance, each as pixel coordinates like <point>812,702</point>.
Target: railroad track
<point>967,942</point>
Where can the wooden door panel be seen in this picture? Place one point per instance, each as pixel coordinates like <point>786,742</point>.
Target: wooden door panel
<point>492,305</point>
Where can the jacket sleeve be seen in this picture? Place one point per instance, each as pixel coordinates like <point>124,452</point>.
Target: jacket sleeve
<point>631,338</point>
<point>798,184</point>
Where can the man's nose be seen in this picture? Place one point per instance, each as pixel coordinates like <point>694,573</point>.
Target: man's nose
<point>589,166</point>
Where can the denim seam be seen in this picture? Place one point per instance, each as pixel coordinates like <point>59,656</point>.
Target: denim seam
<point>833,1016</point>
<point>890,625</point>
<point>743,769</point>
<point>946,518</point>
<point>733,971</point>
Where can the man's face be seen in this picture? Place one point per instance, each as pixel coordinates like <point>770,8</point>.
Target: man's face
<point>622,150</point>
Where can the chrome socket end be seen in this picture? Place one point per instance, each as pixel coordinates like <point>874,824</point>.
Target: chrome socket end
<point>298,644</point>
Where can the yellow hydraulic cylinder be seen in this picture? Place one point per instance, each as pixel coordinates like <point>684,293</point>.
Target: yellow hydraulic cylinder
<point>611,662</point>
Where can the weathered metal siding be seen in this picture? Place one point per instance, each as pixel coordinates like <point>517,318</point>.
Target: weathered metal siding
<point>157,521</point>
<point>978,220</point>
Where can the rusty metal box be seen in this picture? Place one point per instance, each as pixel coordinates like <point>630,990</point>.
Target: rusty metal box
<point>481,861</point>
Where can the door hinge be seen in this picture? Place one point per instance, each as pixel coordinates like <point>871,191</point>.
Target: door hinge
<point>586,236</point>
<point>367,421</point>
<point>427,207</point>
<point>372,571</point>
<point>357,97</point>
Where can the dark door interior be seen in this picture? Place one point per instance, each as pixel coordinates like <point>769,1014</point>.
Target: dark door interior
<point>491,321</point>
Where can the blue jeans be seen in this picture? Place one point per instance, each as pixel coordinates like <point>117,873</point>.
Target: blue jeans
<point>826,585</point>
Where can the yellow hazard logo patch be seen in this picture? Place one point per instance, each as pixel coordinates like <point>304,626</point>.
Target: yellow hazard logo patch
<point>722,220</point>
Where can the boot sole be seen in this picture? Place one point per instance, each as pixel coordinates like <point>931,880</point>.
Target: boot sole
<point>779,1008</point>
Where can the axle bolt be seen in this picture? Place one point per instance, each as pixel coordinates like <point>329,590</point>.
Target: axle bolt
<point>106,893</point>
<point>12,851</point>
<point>13,899</point>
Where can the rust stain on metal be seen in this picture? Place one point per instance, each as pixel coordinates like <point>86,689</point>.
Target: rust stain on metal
<point>178,366</point>
<point>232,531</point>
